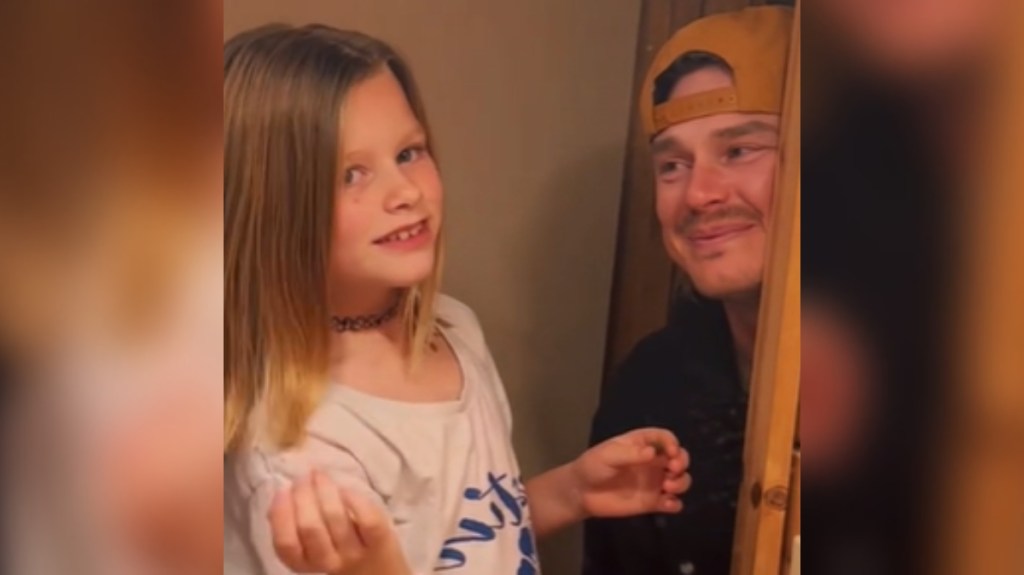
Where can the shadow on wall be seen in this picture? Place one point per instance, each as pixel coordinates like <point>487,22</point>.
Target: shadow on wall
<point>571,247</point>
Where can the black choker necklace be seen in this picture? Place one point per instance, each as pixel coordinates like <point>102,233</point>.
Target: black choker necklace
<point>363,322</point>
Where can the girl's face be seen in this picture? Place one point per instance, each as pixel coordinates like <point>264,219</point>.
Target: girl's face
<point>387,208</point>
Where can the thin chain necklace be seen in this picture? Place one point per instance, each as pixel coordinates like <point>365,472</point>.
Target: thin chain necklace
<point>363,322</point>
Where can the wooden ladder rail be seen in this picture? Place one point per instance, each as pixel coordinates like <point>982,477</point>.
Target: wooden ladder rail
<point>765,494</point>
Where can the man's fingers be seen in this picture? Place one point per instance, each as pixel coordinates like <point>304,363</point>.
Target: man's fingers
<point>316,541</point>
<point>283,529</point>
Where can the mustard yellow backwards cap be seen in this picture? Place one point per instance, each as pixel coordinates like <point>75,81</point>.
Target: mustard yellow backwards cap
<point>754,42</point>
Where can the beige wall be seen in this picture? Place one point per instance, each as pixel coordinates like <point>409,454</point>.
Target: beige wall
<point>529,101</point>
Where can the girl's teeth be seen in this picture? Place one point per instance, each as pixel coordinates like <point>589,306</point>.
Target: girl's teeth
<point>405,234</point>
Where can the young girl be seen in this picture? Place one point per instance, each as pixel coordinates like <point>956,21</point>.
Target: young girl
<point>343,359</point>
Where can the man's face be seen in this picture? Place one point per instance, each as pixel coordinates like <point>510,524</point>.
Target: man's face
<point>715,177</point>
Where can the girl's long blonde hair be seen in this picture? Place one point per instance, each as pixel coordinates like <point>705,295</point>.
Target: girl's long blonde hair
<point>283,89</point>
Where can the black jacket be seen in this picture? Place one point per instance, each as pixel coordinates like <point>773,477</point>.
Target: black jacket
<point>683,378</point>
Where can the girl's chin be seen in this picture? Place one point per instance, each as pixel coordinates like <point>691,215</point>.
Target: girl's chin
<point>402,281</point>
<point>407,283</point>
<point>395,275</point>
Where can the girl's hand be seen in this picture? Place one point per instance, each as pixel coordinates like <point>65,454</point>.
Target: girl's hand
<point>642,471</point>
<point>317,528</point>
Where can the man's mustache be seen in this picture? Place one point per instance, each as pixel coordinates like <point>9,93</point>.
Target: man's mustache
<point>728,214</point>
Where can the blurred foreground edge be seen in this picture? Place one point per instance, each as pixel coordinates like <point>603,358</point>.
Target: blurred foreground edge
<point>984,469</point>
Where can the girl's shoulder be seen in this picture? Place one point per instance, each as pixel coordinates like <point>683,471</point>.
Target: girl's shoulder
<point>458,318</point>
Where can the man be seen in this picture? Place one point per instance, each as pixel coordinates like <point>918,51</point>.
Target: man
<point>710,105</point>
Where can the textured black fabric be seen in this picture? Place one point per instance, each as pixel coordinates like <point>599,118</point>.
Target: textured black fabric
<point>683,378</point>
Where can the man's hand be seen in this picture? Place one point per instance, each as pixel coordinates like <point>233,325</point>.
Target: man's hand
<point>318,528</point>
<point>642,471</point>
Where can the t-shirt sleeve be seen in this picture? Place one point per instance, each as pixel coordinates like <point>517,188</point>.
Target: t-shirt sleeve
<point>279,471</point>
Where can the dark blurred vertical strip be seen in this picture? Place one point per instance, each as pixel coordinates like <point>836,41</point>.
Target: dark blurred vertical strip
<point>871,215</point>
<point>892,150</point>
<point>111,285</point>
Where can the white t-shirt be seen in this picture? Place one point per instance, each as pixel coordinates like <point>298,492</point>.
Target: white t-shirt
<point>445,472</point>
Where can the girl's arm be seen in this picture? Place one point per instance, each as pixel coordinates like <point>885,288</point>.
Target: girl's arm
<point>554,500</point>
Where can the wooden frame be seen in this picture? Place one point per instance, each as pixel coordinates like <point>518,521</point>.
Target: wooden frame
<point>775,384</point>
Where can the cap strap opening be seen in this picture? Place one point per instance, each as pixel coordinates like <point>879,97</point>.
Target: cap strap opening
<point>687,108</point>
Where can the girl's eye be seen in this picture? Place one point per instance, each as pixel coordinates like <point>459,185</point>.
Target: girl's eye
<point>354,175</point>
<point>411,154</point>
